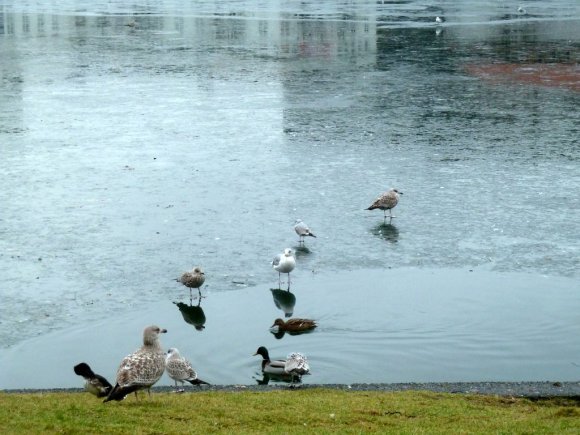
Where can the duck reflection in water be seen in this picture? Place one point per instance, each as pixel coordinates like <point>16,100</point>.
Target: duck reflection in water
<point>192,314</point>
<point>284,300</point>
<point>387,231</point>
<point>292,327</point>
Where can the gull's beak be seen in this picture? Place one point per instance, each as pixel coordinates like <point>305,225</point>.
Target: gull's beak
<point>163,331</point>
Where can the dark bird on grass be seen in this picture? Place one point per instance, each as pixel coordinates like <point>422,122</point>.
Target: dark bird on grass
<point>141,369</point>
<point>180,370</point>
<point>94,384</point>
<point>386,201</point>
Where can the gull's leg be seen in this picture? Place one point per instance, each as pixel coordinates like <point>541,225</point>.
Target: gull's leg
<point>288,280</point>
<point>279,280</point>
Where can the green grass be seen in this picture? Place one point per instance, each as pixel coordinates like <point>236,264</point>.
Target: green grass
<point>300,411</point>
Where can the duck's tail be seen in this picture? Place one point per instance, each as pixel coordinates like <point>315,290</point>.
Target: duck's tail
<point>84,370</point>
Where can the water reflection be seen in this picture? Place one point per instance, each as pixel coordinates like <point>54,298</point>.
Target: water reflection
<point>192,314</point>
<point>387,231</point>
<point>267,377</point>
<point>301,251</point>
<point>284,300</point>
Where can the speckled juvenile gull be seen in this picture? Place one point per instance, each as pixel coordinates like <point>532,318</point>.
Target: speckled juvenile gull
<point>284,263</point>
<point>180,370</point>
<point>386,201</point>
<point>141,369</point>
<point>193,279</point>
<point>302,230</point>
<point>94,384</point>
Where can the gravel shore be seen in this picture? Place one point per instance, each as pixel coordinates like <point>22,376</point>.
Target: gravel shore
<point>511,389</point>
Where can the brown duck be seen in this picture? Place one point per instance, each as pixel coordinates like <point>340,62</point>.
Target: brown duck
<point>293,325</point>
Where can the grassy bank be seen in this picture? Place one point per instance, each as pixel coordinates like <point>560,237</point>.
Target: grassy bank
<point>313,410</point>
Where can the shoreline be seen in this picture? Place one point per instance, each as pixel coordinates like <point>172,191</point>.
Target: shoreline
<point>531,390</point>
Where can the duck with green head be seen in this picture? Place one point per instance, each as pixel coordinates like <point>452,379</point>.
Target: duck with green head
<point>292,368</point>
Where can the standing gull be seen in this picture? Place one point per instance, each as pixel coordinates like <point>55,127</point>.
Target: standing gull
<point>302,230</point>
<point>180,370</point>
<point>193,279</point>
<point>386,201</point>
<point>141,369</point>
<point>284,263</point>
<point>94,384</point>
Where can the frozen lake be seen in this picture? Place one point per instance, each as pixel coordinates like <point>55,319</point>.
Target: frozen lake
<point>138,142</point>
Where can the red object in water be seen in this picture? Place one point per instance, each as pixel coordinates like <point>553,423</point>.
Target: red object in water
<point>540,74</point>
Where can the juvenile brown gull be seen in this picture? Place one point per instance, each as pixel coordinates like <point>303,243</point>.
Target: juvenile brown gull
<point>94,384</point>
<point>302,230</point>
<point>141,369</point>
<point>386,201</point>
<point>180,370</point>
<point>284,263</point>
<point>193,279</point>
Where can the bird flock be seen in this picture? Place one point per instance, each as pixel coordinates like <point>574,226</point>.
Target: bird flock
<point>143,368</point>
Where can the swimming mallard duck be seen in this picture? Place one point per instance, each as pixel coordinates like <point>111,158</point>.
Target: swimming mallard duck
<point>293,325</point>
<point>292,368</point>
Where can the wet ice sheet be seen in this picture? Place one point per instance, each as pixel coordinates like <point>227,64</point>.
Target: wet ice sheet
<point>131,153</point>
